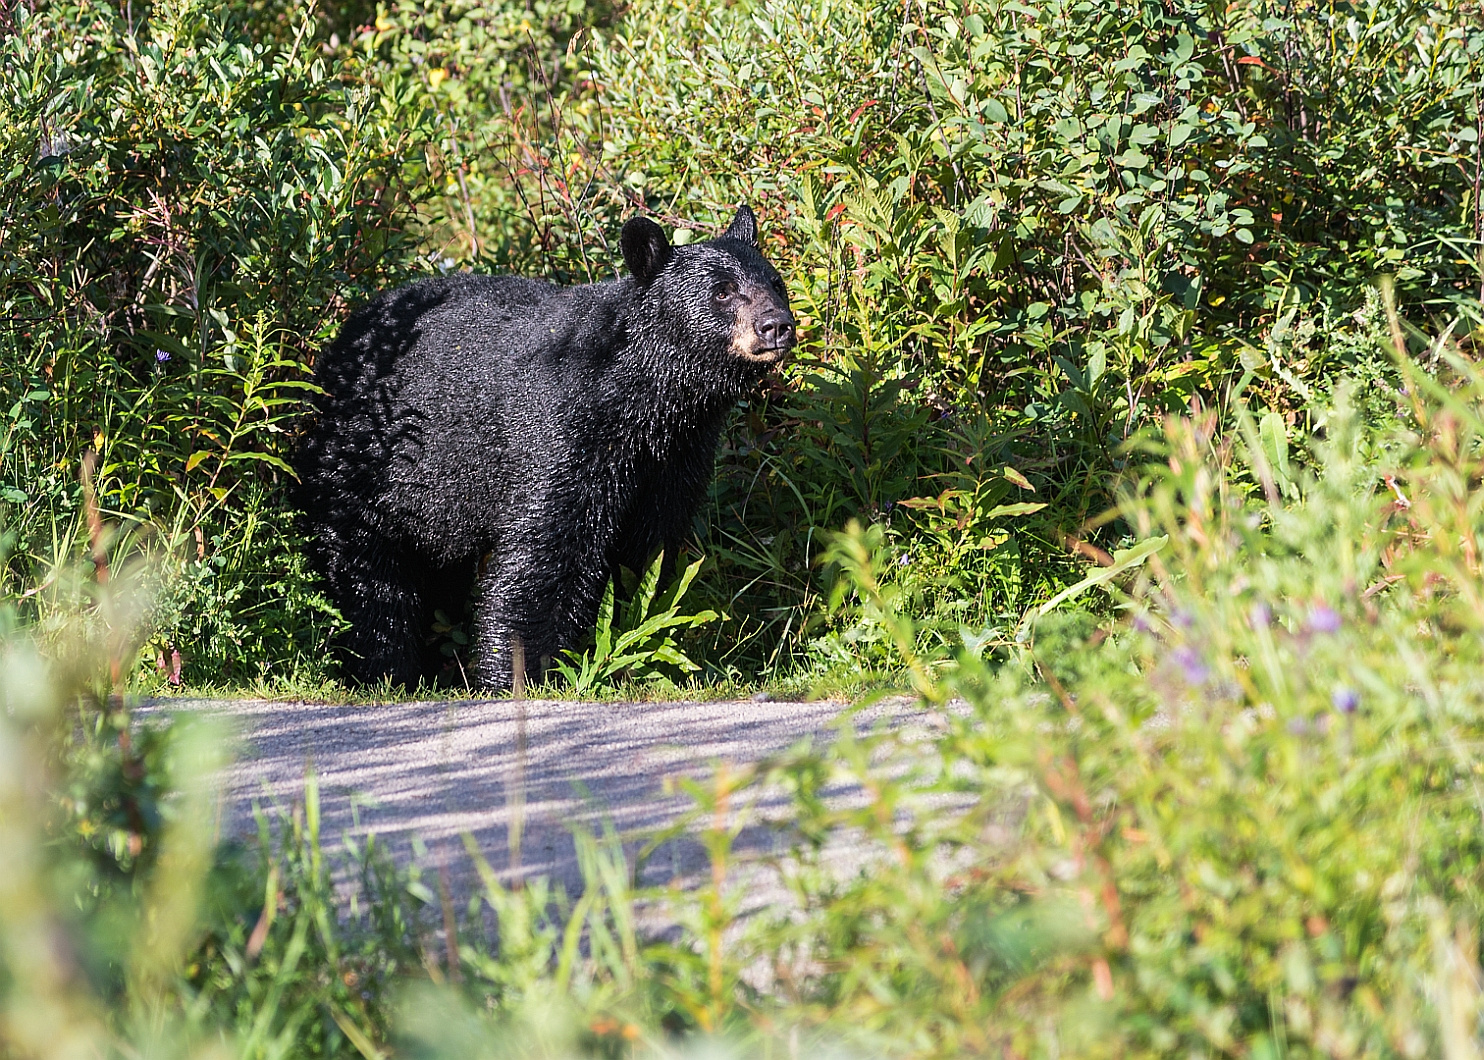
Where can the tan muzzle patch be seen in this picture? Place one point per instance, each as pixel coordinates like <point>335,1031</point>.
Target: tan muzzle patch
<point>748,345</point>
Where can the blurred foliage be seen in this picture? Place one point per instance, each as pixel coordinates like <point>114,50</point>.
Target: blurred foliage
<point>1242,823</point>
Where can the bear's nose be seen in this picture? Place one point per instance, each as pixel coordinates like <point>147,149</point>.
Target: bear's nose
<point>776,330</point>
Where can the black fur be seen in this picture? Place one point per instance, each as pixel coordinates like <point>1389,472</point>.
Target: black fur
<point>527,439</point>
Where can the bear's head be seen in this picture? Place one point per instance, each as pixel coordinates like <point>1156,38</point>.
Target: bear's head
<point>720,301</point>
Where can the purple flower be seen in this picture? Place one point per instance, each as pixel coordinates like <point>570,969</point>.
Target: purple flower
<point>1345,700</point>
<point>904,560</point>
<point>1260,615</point>
<point>1142,624</point>
<point>1323,619</point>
<point>1181,619</point>
<point>1190,663</point>
<point>1298,726</point>
<point>161,356</point>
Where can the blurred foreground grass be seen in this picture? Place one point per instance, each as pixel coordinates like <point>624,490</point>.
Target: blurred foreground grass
<point>1244,819</point>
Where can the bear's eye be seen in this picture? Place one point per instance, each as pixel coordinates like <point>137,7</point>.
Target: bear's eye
<point>724,290</point>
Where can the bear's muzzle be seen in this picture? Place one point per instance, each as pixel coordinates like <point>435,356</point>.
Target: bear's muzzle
<point>764,337</point>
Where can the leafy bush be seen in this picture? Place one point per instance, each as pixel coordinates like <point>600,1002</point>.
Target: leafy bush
<point>1243,821</point>
<point>1054,225</point>
<point>642,642</point>
<point>187,213</point>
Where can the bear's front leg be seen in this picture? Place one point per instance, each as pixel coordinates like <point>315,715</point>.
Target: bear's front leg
<point>542,589</point>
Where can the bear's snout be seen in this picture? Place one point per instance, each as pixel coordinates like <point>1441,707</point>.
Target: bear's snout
<point>765,333</point>
<point>775,330</point>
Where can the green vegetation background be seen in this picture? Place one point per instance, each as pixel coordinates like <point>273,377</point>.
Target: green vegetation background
<point>1135,417</point>
<point>1015,236</point>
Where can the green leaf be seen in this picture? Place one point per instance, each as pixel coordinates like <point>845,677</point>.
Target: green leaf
<point>604,628</point>
<point>1273,432</point>
<point>1122,561</point>
<point>1097,362</point>
<point>1018,508</point>
<point>358,1038</point>
<point>1017,478</point>
<point>264,458</point>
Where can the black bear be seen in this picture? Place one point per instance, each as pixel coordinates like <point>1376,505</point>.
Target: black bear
<point>525,439</point>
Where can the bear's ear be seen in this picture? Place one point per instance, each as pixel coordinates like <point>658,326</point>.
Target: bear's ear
<point>645,248</point>
<point>743,227</point>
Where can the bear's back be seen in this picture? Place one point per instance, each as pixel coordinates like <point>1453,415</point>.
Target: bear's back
<point>444,396</point>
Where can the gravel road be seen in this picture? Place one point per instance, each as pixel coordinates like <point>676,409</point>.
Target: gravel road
<point>440,769</point>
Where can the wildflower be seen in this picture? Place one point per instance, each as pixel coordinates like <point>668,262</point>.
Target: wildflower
<point>1190,663</point>
<point>1298,726</point>
<point>1141,623</point>
<point>1260,615</point>
<point>161,356</point>
<point>904,560</point>
<point>1345,700</point>
<point>1181,619</point>
<point>1323,619</point>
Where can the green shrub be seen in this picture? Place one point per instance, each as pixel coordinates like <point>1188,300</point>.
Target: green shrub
<point>187,214</point>
<point>1058,225</point>
<point>1242,822</point>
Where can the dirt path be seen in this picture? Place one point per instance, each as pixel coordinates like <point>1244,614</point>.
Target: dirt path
<point>439,770</point>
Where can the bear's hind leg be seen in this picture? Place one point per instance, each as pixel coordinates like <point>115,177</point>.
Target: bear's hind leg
<point>380,592</point>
